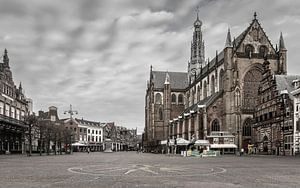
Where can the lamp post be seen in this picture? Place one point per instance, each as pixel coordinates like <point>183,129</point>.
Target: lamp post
<point>284,103</point>
<point>71,112</point>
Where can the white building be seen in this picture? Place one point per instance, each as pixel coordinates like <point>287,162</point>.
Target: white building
<point>88,134</point>
<point>296,94</point>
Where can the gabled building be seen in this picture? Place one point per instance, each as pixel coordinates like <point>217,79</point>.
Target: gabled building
<point>273,126</point>
<point>296,95</point>
<point>86,134</point>
<point>214,95</point>
<point>13,109</point>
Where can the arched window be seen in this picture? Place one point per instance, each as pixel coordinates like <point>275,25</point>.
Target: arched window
<point>192,97</point>
<point>158,98</point>
<point>221,80</point>
<point>173,98</point>
<point>251,83</point>
<point>212,84</point>
<point>263,51</point>
<point>215,125</point>
<point>237,98</point>
<point>204,90</point>
<point>198,93</point>
<point>160,114</point>
<point>247,127</point>
<point>180,99</point>
<point>249,49</point>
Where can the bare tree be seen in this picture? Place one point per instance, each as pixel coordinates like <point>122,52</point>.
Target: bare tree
<point>31,122</point>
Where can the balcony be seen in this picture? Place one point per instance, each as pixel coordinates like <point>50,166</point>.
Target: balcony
<point>11,123</point>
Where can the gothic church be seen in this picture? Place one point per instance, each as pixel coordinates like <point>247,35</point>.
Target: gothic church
<point>214,95</point>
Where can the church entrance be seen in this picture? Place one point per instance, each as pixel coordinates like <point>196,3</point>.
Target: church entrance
<point>246,134</point>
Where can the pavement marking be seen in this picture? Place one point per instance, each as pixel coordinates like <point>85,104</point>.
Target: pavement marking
<point>144,170</point>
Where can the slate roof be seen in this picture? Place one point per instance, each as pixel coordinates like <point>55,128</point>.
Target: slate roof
<point>86,122</point>
<point>178,80</point>
<point>207,102</point>
<point>285,82</point>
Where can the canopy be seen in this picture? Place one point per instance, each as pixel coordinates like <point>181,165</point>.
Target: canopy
<point>223,146</point>
<point>165,142</point>
<point>182,142</point>
<point>201,143</point>
<point>78,144</point>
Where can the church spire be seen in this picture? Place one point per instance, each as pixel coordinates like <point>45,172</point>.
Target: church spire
<point>167,79</point>
<point>228,42</point>
<point>5,58</point>
<point>20,87</point>
<point>281,42</point>
<point>197,50</point>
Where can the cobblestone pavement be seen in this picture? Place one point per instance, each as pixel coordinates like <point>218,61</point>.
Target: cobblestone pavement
<point>129,169</point>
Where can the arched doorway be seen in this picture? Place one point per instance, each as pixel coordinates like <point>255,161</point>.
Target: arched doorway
<point>215,125</point>
<point>251,83</point>
<point>246,134</point>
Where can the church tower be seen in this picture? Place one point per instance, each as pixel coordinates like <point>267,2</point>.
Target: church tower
<point>197,52</point>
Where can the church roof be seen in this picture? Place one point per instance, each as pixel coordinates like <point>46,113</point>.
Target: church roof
<point>178,80</point>
<point>207,102</point>
<point>285,82</point>
<point>239,40</point>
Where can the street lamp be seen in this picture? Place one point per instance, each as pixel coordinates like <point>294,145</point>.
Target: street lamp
<point>71,112</point>
<point>284,104</point>
<point>72,133</point>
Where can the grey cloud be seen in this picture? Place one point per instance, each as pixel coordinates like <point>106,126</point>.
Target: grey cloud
<point>96,54</point>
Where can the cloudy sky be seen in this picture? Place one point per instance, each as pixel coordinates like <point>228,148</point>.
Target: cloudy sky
<point>96,54</point>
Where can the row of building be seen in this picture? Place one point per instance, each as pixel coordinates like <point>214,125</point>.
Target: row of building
<point>241,99</point>
<point>90,135</point>
<point>20,128</point>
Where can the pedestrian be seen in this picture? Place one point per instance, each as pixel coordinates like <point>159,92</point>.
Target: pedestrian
<point>88,150</point>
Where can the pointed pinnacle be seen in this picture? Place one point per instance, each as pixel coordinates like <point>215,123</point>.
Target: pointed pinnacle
<point>281,42</point>
<point>228,42</point>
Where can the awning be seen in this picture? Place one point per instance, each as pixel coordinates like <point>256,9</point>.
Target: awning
<point>165,142</point>
<point>182,142</point>
<point>78,144</point>
<point>223,146</point>
<point>201,143</point>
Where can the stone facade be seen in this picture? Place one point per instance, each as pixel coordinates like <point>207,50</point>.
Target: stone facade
<point>219,94</point>
<point>13,109</point>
